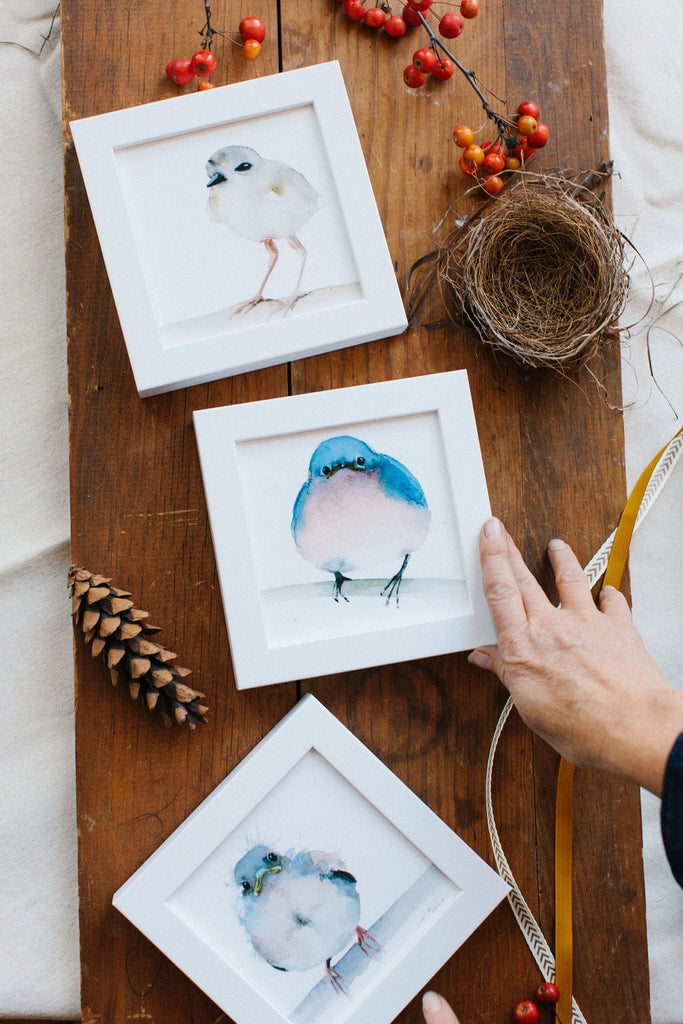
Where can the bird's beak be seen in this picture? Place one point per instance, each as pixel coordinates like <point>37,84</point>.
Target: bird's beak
<point>273,869</point>
<point>215,179</point>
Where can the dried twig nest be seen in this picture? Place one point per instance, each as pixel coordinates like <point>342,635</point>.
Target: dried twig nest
<point>539,272</point>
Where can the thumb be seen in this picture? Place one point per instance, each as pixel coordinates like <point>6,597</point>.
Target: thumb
<point>436,1010</point>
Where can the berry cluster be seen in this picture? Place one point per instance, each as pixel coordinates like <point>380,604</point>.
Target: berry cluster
<point>395,25</point>
<point>527,1012</point>
<point>517,143</point>
<point>253,32</point>
<point>203,63</point>
<point>439,65</point>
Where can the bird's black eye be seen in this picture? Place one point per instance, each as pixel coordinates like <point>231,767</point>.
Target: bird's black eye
<point>360,461</point>
<point>272,857</point>
<point>326,470</point>
<point>244,166</point>
<point>245,886</point>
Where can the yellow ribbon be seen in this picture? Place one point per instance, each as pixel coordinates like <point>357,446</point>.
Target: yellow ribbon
<point>564,953</point>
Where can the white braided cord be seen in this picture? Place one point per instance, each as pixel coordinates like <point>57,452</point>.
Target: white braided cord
<point>530,928</point>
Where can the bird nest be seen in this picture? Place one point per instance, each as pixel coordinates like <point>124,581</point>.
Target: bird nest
<point>539,272</point>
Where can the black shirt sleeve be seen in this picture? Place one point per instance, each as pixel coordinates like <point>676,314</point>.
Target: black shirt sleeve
<point>672,810</point>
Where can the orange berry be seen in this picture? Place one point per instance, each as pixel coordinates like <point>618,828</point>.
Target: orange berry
<point>475,154</point>
<point>251,49</point>
<point>527,124</point>
<point>463,136</point>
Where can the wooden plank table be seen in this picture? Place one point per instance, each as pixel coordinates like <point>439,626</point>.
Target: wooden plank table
<point>553,453</point>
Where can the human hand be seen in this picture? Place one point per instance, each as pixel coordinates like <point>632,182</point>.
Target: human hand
<point>579,675</point>
<point>436,1010</point>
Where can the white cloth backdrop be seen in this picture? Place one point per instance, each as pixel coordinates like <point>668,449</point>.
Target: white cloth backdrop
<point>38,894</point>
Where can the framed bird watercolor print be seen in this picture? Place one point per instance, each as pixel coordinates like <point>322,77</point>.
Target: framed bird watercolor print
<point>311,886</point>
<point>345,526</point>
<point>268,177</point>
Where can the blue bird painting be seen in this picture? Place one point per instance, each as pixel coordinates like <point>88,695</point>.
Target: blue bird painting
<point>300,909</point>
<point>358,508</point>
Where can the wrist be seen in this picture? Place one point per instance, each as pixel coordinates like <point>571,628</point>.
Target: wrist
<point>642,750</point>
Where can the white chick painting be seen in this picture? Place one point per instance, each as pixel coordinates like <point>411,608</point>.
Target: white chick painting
<point>264,201</point>
<point>300,910</point>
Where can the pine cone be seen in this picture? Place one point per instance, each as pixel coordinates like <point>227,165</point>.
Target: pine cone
<point>115,628</point>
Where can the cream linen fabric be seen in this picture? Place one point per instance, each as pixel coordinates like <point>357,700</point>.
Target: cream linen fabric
<point>39,973</point>
<point>38,893</point>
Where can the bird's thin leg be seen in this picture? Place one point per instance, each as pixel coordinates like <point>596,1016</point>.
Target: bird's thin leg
<point>295,244</point>
<point>250,303</point>
<point>394,584</point>
<point>335,978</point>
<point>367,943</point>
<point>339,581</point>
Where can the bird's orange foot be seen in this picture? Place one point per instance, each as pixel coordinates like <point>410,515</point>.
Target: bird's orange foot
<point>335,979</point>
<point>369,945</point>
<point>288,304</point>
<point>244,307</point>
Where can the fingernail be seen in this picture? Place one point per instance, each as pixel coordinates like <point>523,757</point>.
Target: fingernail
<point>431,1002</point>
<point>493,528</point>
<point>556,544</point>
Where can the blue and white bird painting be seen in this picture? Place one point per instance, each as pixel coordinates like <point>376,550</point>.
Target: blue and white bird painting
<point>262,200</point>
<point>359,508</point>
<point>300,909</point>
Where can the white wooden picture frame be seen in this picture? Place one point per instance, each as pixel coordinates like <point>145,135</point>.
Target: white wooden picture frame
<point>286,618</point>
<point>183,258</point>
<point>309,786</point>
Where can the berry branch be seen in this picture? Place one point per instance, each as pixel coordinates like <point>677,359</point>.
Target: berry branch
<point>208,31</point>
<point>203,63</point>
<point>501,123</point>
<point>517,139</point>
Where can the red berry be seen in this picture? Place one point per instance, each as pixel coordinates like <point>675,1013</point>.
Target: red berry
<point>498,147</point>
<point>203,63</point>
<point>526,1012</point>
<point>530,108</point>
<point>467,167</point>
<point>395,26</point>
<point>413,77</point>
<point>493,163</point>
<point>251,48</point>
<point>420,5</point>
<point>411,17</point>
<point>539,136</point>
<point>375,17</point>
<point>523,151</point>
<point>443,69</point>
<point>492,187</point>
<point>548,993</point>
<point>180,70</point>
<point>451,25</point>
<point>424,59</point>
<point>469,8</point>
<point>354,10</point>
<point>252,28</point>
<point>205,84</point>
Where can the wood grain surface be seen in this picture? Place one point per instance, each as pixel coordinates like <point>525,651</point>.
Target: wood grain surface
<point>553,452</point>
